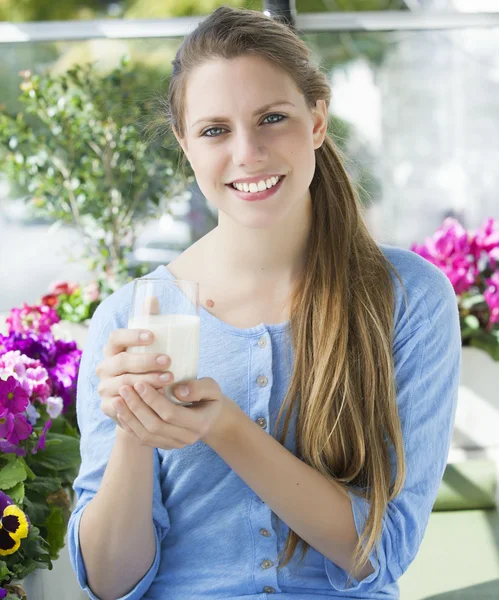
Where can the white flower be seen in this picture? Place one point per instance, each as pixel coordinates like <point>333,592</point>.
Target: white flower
<point>54,406</point>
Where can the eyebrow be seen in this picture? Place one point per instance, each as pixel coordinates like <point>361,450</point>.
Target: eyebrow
<point>256,112</point>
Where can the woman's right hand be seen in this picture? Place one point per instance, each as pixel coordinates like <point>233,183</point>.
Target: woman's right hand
<point>120,367</point>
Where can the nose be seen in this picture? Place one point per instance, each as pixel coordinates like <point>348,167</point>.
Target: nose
<point>248,148</point>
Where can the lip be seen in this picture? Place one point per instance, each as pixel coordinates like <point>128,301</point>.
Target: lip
<point>253,196</point>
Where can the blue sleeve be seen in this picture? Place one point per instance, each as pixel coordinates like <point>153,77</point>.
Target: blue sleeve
<point>427,359</point>
<point>98,433</point>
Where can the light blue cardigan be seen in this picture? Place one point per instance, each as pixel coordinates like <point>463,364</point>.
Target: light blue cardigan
<point>215,539</point>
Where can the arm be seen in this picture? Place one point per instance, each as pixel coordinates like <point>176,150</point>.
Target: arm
<point>119,518</point>
<point>427,355</point>
<point>119,500</point>
<point>312,506</point>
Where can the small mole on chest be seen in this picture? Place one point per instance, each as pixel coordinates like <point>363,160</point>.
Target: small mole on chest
<point>210,303</point>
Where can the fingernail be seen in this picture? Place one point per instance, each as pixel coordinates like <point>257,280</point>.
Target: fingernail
<point>183,391</point>
<point>140,387</point>
<point>124,391</point>
<point>144,336</point>
<point>165,377</point>
<point>162,360</point>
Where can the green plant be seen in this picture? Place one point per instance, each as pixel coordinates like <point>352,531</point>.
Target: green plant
<point>39,443</point>
<point>89,163</point>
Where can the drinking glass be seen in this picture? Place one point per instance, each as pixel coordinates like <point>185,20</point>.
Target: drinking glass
<point>170,309</point>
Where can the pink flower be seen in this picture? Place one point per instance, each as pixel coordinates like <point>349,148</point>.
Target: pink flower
<point>449,250</point>
<point>486,239</point>
<point>13,401</point>
<point>22,429</point>
<point>491,296</point>
<point>63,287</point>
<point>29,372</point>
<point>29,319</point>
<point>12,396</point>
<point>91,292</point>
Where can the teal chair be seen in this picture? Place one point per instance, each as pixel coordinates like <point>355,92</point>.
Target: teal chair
<point>459,555</point>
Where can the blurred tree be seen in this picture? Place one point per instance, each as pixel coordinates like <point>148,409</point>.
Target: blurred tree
<point>48,10</point>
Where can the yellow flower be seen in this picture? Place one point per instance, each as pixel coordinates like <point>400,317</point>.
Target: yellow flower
<point>13,528</point>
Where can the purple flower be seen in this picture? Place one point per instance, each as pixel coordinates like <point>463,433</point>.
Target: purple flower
<point>21,430</point>
<point>3,593</point>
<point>37,346</point>
<point>40,444</point>
<point>12,396</point>
<point>64,376</point>
<point>8,448</point>
<point>6,423</point>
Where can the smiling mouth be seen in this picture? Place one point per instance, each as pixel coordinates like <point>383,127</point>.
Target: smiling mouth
<point>254,188</point>
<point>259,195</point>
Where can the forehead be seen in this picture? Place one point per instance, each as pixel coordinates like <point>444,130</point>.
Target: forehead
<point>222,87</point>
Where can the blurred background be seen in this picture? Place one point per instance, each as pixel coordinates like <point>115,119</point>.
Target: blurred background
<point>414,110</point>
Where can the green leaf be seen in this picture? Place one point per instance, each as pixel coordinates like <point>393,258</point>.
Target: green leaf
<point>487,342</point>
<point>4,570</point>
<point>11,474</point>
<point>16,493</point>
<point>29,472</point>
<point>472,322</point>
<point>61,452</point>
<point>37,549</point>
<point>468,302</point>
<point>36,507</point>
<point>56,530</point>
<point>44,485</point>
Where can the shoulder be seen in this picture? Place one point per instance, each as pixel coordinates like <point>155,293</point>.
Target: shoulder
<point>428,288</point>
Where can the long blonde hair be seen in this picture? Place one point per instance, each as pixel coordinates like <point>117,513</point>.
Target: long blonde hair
<point>343,382</point>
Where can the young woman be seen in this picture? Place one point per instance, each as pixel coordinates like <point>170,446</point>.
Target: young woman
<point>305,319</point>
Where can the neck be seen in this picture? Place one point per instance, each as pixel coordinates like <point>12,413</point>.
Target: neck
<point>259,254</point>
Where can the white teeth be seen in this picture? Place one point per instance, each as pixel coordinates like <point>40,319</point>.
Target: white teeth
<point>256,187</point>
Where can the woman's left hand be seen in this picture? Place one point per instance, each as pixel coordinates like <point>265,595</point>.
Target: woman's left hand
<point>147,414</point>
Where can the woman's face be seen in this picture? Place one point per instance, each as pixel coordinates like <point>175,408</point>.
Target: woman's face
<point>245,118</point>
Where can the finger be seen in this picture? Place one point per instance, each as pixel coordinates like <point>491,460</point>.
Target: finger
<point>197,390</point>
<point>150,306</point>
<point>146,362</point>
<point>156,380</point>
<point>123,425</point>
<point>144,420</point>
<point>121,339</point>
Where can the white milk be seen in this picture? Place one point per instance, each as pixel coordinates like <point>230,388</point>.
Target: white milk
<point>174,335</point>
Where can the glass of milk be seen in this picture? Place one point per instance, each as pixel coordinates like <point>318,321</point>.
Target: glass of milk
<point>170,309</point>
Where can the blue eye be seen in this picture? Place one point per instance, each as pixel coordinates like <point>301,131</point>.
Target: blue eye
<point>206,131</point>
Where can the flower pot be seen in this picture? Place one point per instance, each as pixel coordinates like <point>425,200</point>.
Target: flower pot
<point>477,414</point>
<point>60,583</point>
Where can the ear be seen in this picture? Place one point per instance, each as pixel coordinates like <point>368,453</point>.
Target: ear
<point>320,120</point>
<point>182,143</point>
